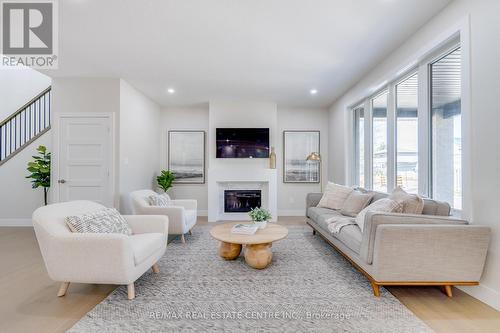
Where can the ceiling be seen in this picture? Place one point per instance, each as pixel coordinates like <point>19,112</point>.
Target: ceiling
<point>265,50</point>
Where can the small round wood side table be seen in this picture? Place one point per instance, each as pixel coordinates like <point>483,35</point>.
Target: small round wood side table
<point>257,246</point>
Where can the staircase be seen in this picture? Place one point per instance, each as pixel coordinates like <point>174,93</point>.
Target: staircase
<point>25,125</point>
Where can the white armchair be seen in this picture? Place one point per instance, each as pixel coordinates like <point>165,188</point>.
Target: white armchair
<point>98,257</point>
<point>181,214</point>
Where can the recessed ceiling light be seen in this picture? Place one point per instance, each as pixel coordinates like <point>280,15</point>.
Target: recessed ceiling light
<point>171,90</point>
<point>313,91</point>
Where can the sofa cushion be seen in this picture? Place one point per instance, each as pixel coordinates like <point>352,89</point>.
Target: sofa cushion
<point>106,220</point>
<point>382,205</point>
<point>351,236</point>
<point>144,245</point>
<point>355,203</point>
<point>412,203</point>
<point>334,196</point>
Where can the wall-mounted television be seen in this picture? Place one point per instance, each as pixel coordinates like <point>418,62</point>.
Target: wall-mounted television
<point>242,142</point>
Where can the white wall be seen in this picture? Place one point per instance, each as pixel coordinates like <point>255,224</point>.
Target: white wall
<point>17,199</point>
<point>292,197</point>
<point>139,143</point>
<point>18,86</point>
<point>485,70</point>
<point>185,118</point>
<point>241,114</point>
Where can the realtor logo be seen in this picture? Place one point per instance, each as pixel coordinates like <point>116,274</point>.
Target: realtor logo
<point>29,33</point>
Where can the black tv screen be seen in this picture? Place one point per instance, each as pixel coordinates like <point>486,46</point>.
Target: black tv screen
<point>242,142</point>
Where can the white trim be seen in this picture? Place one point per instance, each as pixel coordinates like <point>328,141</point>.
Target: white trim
<point>483,293</point>
<point>203,212</point>
<point>391,136</point>
<point>292,212</point>
<point>16,222</point>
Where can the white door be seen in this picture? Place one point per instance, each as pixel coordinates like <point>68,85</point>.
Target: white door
<point>85,159</point>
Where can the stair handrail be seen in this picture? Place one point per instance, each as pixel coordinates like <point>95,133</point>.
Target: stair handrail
<point>21,109</point>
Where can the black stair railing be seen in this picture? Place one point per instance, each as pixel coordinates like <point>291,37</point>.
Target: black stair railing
<point>25,125</point>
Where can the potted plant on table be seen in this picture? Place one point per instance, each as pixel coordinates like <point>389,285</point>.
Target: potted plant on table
<point>260,217</point>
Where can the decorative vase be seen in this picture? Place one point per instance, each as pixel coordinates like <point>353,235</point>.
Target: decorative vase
<point>272,159</point>
<point>260,224</point>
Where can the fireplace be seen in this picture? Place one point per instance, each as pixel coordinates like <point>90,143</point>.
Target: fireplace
<point>241,201</point>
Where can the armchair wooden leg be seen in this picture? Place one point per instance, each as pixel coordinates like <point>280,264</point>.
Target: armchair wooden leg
<point>376,289</point>
<point>448,291</point>
<point>183,239</point>
<point>131,291</point>
<point>63,289</point>
<point>190,232</point>
<point>155,268</point>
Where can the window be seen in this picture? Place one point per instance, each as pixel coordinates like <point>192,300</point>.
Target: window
<point>379,141</point>
<point>407,134</point>
<point>446,133</point>
<point>359,142</point>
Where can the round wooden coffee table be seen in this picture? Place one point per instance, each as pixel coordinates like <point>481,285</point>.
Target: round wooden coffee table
<point>257,246</point>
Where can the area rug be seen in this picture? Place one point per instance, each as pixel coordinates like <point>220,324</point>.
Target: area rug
<point>308,287</point>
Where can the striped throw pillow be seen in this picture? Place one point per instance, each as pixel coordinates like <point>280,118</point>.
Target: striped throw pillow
<point>106,220</point>
<point>159,200</point>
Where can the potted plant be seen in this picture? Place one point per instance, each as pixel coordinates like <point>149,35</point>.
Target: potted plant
<point>260,217</point>
<point>40,171</point>
<point>165,180</point>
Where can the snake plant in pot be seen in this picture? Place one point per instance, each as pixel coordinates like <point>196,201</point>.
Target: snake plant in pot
<point>260,217</point>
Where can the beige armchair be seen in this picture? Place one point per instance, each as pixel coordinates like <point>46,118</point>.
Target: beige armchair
<point>182,214</point>
<point>98,257</point>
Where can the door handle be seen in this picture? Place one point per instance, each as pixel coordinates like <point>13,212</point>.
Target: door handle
<point>61,181</point>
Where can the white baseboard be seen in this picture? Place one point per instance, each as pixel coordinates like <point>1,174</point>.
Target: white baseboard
<point>292,212</point>
<point>202,212</point>
<point>15,222</point>
<point>483,293</point>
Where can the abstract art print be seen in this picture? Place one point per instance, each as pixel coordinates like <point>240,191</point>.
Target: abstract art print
<point>186,156</point>
<point>297,146</point>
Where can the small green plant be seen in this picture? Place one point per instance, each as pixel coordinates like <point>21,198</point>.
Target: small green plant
<point>165,180</point>
<point>40,171</point>
<point>259,214</point>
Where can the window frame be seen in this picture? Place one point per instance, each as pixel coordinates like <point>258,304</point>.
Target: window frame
<point>459,38</point>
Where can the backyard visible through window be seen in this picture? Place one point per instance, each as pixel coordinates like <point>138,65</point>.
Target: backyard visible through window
<point>379,148</point>
<point>407,134</point>
<point>446,130</point>
<point>359,119</point>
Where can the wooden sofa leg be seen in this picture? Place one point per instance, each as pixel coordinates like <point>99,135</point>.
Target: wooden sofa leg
<point>183,239</point>
<point>314,232</point>
<point>376,289</point>
<point>190,232</point>
<point>131,291</point>
<point>155,268</point>
<point>63,289</point>
<point>448,291</point>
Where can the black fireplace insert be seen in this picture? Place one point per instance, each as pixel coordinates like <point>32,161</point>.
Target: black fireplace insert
<point>241,201</point>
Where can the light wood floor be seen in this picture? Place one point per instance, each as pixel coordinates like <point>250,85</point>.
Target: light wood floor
<point>28,301</point>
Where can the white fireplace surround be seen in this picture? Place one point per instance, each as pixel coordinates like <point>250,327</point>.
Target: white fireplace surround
<point>221,179</point>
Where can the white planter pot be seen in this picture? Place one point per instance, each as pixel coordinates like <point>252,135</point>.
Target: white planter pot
<point>261,225</point>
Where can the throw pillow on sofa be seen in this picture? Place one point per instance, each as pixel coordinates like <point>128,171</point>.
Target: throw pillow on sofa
<point>106,220</point>
<point>334,196</point>
<point>412,203</point>
<point>383,205</point>
<point>355,203</point>
<point>159,200</point>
